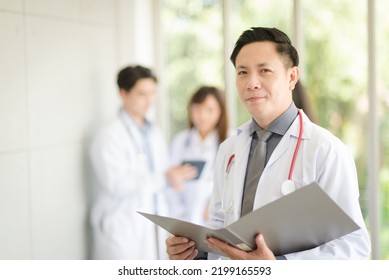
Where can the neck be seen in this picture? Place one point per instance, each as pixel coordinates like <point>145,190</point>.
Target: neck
<point>203,134</point>
<point>139,119</point>
<point>265,121</point>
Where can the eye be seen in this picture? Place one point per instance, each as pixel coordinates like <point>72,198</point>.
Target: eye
<point>241,72</point>
<point>265,70</point>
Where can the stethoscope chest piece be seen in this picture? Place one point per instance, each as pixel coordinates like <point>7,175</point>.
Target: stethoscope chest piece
<point>288,187</point>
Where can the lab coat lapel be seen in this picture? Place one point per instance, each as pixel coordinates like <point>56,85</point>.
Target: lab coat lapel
<point>281,148</point>
<point>241,150</point>
<point>292,132</point>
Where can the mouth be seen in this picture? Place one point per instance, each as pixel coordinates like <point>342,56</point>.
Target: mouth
<point>254,98</point>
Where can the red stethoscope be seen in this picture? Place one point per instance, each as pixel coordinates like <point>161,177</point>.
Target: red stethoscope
<point>288,186</point>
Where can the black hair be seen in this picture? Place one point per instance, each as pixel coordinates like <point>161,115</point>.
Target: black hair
<point>260,34</point>
<point>127,77</point>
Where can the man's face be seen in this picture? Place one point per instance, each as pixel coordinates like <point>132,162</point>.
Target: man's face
<point>140,98</point>
<point>263,81</point>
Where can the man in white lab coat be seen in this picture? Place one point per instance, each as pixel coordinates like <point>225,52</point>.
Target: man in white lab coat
<point>129,161</point>
<point>266,73</point>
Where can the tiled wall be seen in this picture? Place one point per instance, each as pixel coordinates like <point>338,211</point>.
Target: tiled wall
<point>58,62</point>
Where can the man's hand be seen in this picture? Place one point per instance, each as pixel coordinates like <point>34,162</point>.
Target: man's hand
<point>177,175</point>
<point>261,253</point>
<point>180,248</point>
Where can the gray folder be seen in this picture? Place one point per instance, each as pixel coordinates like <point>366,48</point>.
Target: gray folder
<point>301,220</point>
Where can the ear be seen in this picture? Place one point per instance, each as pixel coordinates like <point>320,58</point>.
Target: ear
<point>123,93</point>
<point>294,76</point>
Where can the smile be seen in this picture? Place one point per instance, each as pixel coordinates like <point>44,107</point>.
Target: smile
<point>254,98</point>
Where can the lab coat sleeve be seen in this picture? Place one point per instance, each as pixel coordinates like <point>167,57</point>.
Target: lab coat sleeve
<point>118,174</point>
<point>218,210</point>
<point>177,148</point>
<point>336,173</point>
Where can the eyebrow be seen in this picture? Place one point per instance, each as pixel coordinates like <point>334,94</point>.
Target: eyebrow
<point>265,64</point>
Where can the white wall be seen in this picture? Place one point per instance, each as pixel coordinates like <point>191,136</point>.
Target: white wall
<point>58,63</point>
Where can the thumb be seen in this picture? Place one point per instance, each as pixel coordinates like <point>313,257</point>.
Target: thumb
<point>262,249</point>
<point>260,241</point>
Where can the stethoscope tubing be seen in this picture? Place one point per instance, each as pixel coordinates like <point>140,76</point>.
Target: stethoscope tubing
<point>296,150</point>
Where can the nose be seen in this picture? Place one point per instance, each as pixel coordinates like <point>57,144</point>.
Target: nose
<point>253,82</point>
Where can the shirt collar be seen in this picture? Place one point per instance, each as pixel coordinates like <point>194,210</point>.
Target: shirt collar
<point>130,121</point>
<point>281,124</point>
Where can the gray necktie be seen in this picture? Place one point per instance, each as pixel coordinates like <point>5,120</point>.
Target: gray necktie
<point>255,166</point>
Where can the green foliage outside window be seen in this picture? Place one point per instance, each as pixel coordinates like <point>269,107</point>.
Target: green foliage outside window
<point>194,53</point>
<point>335,68</point>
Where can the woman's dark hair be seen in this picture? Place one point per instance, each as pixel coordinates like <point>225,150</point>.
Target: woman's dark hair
<point>301,100</point>
<point>199,96</point>
<point>128,76</point>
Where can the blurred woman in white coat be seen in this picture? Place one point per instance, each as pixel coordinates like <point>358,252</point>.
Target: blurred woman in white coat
<point>207,129</point>
<point>129,161</point>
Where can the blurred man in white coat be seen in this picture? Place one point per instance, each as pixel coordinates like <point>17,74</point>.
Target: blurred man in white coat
<point>129,161</point>
<point>267,71</point>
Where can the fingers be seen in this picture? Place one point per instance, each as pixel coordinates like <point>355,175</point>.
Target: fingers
<point>227,250</point>
<point>261,253</point>
<point>188,254</point>
<point>177,175</point>
<point>188,171</point>
<point>192,255</point>
<point>174,240</point>
<point>180,248</point>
